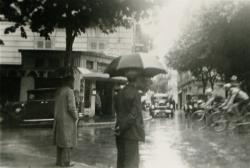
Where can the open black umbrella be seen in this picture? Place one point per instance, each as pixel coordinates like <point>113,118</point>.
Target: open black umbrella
<point>148,65</point>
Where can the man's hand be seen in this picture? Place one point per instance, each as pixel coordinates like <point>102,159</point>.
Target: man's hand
<point>225,108</point>
<point>117,130</point>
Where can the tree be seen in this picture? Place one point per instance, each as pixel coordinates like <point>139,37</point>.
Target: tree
<point>217,41</point>
<point>43,16</point>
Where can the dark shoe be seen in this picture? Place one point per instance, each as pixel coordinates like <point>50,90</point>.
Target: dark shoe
<point>68,165</point>
<point>58,164</point>
<point>65,165</point>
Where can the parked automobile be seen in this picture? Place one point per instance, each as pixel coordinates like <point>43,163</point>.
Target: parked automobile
<point>193,104</point>
<point>161,107</point>
<point>38,107</point>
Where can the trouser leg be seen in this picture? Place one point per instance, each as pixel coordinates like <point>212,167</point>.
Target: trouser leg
<point>58,156</point>
<point>127,153</point>
<point>131,154</point>
<point>63,156</point>
<point>66,156</point>
<point>120,153</point>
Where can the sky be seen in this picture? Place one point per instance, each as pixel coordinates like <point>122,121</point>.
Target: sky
<point>167,25</point>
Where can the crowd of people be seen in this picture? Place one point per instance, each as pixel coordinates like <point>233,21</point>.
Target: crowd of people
<point>227,107</point>
<point>234,99</point>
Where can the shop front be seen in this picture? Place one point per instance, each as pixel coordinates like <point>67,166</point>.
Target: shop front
<point>95,92</point>
<point>93,89</point>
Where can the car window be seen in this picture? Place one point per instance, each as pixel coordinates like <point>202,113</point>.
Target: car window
<point>41,95</point>
<point>31,96</point>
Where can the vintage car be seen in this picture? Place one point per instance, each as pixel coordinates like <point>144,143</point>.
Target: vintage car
<point>161,107</point>
<point>39,107</point>
<point>194,103</point>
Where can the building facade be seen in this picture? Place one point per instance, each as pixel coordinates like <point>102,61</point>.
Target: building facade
<point>28,63</point>
<point>121,42</point>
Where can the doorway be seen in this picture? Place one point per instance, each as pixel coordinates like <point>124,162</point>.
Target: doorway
<point>104,90</point>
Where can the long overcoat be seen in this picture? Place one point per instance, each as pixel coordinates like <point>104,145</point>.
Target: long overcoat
<point>129,114</point>
<point>65,118</point>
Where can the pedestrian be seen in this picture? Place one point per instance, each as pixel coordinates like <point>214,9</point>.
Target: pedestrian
<point>129,126</point>
<point>98,104</point>
<point>172,102</point>
<point>65,122</point>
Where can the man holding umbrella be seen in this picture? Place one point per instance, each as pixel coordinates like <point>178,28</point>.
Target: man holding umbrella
<point>129,126</point>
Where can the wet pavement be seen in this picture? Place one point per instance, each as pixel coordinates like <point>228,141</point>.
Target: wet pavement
<point>169,143</point>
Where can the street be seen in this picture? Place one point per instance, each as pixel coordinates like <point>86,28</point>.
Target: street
<point>169,143</point>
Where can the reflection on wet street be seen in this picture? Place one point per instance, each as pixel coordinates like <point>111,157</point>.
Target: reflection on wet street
<point>168,144</point>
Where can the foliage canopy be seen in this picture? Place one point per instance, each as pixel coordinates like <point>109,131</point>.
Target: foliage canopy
<point>215,43</point>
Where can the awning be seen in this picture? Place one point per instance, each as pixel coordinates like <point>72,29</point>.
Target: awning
<point>180,91</point>
<point>98,76</point>
<point>90,74</point>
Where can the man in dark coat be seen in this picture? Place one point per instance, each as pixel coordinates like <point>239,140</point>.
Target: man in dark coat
<point>65,122</point>
<point>129,126</point>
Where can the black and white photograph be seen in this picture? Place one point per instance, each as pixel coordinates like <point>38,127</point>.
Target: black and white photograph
<point>125,83</point>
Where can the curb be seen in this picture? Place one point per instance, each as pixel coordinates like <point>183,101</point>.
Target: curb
<point>111,123</point>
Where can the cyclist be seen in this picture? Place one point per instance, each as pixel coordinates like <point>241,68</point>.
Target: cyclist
<point>236,97</point>
<point>210,97</point>
<point>215,96</point>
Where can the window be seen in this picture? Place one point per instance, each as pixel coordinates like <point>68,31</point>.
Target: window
<point>40,44</point>
<point>44,44</point>
<point>90,64</point>
<point>48,44</point>
<point>93,45</point>
<point>97,44</point>
<point>101,46</point>
<point>101,66</point>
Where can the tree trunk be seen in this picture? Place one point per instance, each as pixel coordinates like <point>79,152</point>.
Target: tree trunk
<point>70,37</point>
<point>212,84</point>
<point>204,83</point>
<point>204,86</point>
<point>212,81</point>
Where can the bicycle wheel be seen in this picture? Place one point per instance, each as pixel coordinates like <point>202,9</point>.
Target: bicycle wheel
<point>208,118</point>
<point>218,123</point>
<point>197,119</point>
<point>245,125</point>
<point>232,119</point>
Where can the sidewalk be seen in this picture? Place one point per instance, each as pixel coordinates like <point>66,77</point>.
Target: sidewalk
<point>21,160</point>
<point>19,154</point>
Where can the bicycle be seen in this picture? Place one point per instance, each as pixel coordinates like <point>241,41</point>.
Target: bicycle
<point>230,120</point>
